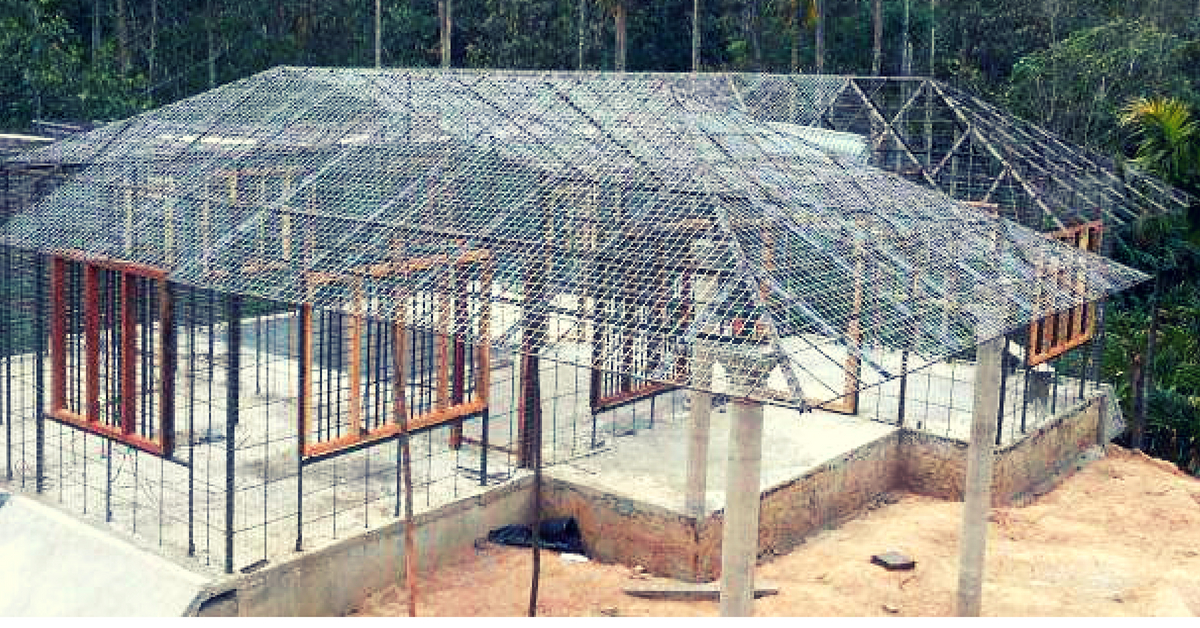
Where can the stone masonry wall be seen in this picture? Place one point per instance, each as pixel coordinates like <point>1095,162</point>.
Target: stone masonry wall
<point>936,466</point>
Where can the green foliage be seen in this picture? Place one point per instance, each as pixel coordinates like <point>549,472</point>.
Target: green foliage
<point>1078,85</point>
<point>1168,139</point>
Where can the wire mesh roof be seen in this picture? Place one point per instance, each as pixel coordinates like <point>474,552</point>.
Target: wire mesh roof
<point>647,225</point>
<point>937,135</point>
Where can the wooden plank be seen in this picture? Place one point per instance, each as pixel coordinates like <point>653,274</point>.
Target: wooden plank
<point>58,334</point>
<point>674,590</point>
<point>167,359</point>
<point>129,392</point>
<point>424,421</point>
<point>356,324</point>
<point>115,433</point>
<point>91,333</point>
<point>121,266</point>
<point>854,332</point>
<point>304,403</point>
<point>645,390</point>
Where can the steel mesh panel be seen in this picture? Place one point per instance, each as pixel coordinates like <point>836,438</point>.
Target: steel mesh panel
<point>689,214</point>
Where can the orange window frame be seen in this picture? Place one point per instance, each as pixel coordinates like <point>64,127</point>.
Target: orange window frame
<point>88,417</point>
<point>1058,332</point>
<point>449,408</point>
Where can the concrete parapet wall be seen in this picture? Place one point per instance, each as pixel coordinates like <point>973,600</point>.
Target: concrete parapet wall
<point>334,579</point>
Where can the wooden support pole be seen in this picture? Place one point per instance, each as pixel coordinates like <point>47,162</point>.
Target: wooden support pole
<point>356,324</point>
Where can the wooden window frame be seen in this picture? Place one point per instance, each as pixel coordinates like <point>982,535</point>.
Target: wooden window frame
<point>88,418</point>
<point>1056,333</point>
<point>449,407</point>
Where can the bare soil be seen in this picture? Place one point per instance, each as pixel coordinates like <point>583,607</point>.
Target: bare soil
<point>1119,538</point>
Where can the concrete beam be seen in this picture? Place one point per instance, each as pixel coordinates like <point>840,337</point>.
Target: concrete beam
<point>739,543</point>
<point>978,489</point>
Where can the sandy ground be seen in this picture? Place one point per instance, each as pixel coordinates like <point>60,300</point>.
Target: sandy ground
<point>1119,538</point>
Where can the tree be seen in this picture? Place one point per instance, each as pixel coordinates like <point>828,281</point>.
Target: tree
<point>1168,139</point>
<point>695,35</point>
<point>877,29</point>
<point>818,14</point>
<point>1077,86</point>
<point>619,10</point>
<point>446,28</point>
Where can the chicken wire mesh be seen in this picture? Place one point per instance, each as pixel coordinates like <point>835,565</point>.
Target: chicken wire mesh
<point>650,226</point>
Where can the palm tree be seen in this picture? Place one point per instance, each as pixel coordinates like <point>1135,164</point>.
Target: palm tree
<point>1168,146</point>
<point>1168,138</point>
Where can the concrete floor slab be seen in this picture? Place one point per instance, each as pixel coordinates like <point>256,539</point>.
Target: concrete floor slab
<point>651,467</point>
<point>54,565</point>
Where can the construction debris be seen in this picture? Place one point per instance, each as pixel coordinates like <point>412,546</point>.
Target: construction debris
<point>674,590</point>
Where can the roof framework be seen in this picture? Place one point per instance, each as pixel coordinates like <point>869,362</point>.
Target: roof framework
<point>647,225</point>
<point>939,136</point>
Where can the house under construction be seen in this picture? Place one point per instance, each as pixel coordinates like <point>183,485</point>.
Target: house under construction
<point>226,320</point>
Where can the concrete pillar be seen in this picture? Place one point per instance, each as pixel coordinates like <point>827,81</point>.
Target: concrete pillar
<point>739,543</point>
<point>695,504</point>
<point>978,497</point>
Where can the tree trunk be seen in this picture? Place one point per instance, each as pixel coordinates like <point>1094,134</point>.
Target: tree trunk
<point>122,37</point>
<point>582,29</point>
<point>378,34</point>
<point>906,42</point>
<point>95,30</point>
<point>446,21</point>
<point>797,24</point>
<point>153,45</point>
<point>819,36</point>
<point>877,29</point>
<point>1148,367</point>
<point>1135,384</point>
<point>619,14</point>
<point>210,25</point>
<point>932,38</point>
<point>695,35</point>
<point>753,28</point>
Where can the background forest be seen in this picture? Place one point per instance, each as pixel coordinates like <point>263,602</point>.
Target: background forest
<point>1119,76</point>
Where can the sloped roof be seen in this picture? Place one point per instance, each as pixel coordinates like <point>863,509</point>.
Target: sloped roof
<point>940,136</point>
<point>655,203</point>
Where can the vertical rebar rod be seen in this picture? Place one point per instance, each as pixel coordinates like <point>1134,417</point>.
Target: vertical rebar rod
<point>191,428</point>
<point>39,323</point>
<point>233,314</point>
<point>8,415</point>
<point>303,393</point>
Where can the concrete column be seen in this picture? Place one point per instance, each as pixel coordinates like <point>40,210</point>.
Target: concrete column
<point>695,504</point>
<point>978,497</point>
<point>739,543</point>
